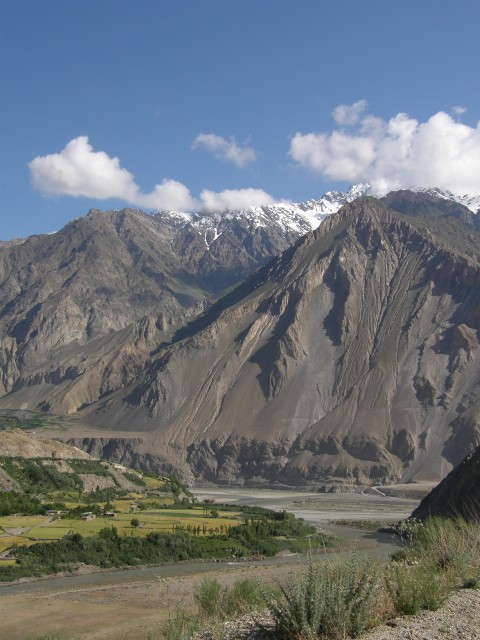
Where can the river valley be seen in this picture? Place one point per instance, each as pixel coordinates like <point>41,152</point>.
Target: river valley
<point>132,604</point>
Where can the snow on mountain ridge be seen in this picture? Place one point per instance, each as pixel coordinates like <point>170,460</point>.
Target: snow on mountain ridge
<point>289,217</point>
<point>471,202</point>
<point>292,219</point>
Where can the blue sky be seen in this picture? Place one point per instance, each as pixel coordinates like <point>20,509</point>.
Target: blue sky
<point>190,104</point>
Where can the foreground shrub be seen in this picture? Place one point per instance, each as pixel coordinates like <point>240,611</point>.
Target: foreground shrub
<point>418,586</point>
<point>326,600</point>
<point>450,545</point>
<point>220,603</point>
<point>216,604</point>
<point>208,597</point>
<point>181,626</point>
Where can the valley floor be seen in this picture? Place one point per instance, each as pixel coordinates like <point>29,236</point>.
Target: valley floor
<point>131,605</point>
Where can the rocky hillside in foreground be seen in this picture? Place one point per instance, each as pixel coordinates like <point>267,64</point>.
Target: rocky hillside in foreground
<point>457,495</point>
<point>354,355</point>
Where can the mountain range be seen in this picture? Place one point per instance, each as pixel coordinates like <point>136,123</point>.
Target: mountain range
<point>252,346</point>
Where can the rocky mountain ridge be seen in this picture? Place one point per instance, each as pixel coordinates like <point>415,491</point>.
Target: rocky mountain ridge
<point>357,349</point>
<point>92,300</point>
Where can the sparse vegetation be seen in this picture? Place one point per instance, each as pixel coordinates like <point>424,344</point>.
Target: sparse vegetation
<point>414,587</point>
<point>215,604</point>
<point>330,599</point>
<point>449,546</point>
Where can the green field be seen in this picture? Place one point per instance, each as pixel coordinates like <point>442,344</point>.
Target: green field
<point>31,529</point>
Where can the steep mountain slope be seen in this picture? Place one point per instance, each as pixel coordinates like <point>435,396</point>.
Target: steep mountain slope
<point>82,308</point>
<point>457,495</point>
<point>98,289</point>
<point>353,355</point>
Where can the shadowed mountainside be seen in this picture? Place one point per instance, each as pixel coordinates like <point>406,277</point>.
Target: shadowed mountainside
<point>457,495</point>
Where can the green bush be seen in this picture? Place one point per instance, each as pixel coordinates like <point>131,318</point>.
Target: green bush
<point>450,545</point>
<point>13,502</point>
<point>417,587</point>
<point>326,600</point>
<point>182,625</point>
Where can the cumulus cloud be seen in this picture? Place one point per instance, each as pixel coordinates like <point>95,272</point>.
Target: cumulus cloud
<point>394,154</point>
<point>80,171</point>
<point>170,195</point>
<point>227,150</point>
<point>232,199</point>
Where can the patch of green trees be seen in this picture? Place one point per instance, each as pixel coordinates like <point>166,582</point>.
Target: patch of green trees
<point>262,534</point>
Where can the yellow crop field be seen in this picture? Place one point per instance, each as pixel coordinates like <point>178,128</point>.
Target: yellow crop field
<point>6,562</point>
<point>7,542</point>
<point>153,483</point>
<point>21,522</point>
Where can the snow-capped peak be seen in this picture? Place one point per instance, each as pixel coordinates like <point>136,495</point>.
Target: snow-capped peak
<point>291,219</point>
<point>471,202</point>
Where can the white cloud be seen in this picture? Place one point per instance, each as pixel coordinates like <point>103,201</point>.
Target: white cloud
<point>80,171</point>
<point>233,199</point>
<point>349,114</point>
<point>397,153</point>
<point>171,195</point>
<point>227,150</point>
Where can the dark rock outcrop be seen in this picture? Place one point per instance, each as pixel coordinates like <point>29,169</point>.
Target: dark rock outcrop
<point>457,495</point>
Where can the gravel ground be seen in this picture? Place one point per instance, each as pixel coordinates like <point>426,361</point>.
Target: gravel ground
<point>459,619</point>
